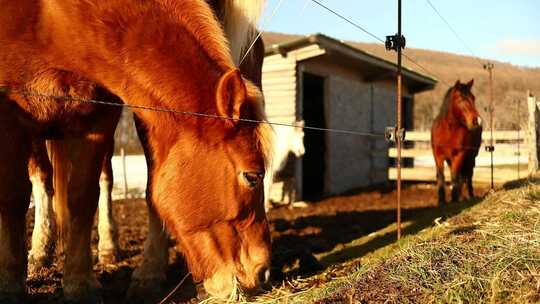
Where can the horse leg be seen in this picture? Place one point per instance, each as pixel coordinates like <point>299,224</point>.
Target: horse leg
<point>76,214</point>
<point>439,162</point>
<point>469,177</point>
<point>457,176</point>
<point>44,233</point>
<point>15,189</point>
<point>150,275</point>
<point>108,236</point>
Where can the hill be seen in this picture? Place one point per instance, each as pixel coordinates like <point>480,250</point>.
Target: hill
<point>510,82</point>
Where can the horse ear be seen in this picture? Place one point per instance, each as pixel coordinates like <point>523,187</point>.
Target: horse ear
<point>231,94</point>
<point>458,83</point>
<point>470,84</point>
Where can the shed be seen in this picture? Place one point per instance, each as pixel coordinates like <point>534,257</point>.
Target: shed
<point>330,84</point>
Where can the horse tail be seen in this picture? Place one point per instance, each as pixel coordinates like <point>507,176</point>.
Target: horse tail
<point>60,165</point>
<point>240,18</point>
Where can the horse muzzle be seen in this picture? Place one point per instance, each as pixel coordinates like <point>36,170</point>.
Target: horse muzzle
<point>475,123</point>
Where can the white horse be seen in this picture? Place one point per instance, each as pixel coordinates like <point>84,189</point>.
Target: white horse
<point>287,139</point>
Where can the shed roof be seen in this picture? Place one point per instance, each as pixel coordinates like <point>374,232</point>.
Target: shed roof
<point>372,67</point>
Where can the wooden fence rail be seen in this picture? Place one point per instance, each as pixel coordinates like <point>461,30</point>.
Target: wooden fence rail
<point>422,167</point>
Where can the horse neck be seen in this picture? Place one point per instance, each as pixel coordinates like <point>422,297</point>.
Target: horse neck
<point>450,118</point>
<point>159,53</point>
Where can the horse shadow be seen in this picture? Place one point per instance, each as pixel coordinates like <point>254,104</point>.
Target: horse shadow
<point>520,183</point>
<point>294,253</point>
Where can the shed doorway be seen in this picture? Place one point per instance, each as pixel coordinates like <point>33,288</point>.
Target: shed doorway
<point>314,159</point>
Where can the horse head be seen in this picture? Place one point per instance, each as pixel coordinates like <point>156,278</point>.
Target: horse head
<point>297,140</point>
<point>463,105</point>
<point>209,190</point>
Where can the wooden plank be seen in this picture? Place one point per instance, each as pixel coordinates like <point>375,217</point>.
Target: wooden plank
<point>279,86</point>
<point>497,135</point>
<point>500,151</point>
<point>307,52</point>
<point>281,112</point>
<point>279,93</point>
<point>418,136</point>
<point>278,67</point>
<point>427,174</point>
<point>276,81</point>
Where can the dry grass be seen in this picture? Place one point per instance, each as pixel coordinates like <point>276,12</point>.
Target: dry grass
<point>490,254</point>
<point>487,254</point>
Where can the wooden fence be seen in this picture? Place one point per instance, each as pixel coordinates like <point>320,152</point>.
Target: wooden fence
<point>510,151</point>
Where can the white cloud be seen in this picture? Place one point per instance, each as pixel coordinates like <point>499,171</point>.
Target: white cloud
<point>527,47</point>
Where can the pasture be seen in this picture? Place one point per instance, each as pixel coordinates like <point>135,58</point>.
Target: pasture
<point>312,246</point>
<point>349,228</point>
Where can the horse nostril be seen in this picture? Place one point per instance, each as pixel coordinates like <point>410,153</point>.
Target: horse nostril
<point>264,276</point>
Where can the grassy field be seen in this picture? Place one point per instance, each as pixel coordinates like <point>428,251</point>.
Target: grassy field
<point>489,252</point>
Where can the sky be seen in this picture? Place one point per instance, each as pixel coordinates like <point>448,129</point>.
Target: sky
<point>502,30</point>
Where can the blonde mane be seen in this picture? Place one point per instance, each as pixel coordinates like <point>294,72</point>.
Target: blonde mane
<point>240,18</point>
<point>263,131</point>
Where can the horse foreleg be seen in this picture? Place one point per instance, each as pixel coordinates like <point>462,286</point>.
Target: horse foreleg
<point>469,177</point>
<point>439,162</point>
<point>76,213</point>
<point>150,275</point>
<point>15,191</point>
<point>108,236</point>
<point>457,176</point>
<point>44,233</point>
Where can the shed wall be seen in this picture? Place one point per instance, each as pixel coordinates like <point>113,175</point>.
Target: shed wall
<point>351,103</point>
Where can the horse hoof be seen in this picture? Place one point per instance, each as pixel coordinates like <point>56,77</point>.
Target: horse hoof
<point>37,264</point>
<point>108,257</point>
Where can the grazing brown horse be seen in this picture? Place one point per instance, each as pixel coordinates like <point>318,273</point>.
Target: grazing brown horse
<point>456,136</point>
<point>239,19</point>
<point>206,181</point>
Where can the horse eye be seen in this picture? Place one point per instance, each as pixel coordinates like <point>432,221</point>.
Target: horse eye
<point>253,179</point>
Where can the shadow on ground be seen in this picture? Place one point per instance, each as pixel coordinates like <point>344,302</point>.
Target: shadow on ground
<point>294,251</point>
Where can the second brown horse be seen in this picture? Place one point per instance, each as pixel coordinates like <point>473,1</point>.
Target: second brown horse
<point>456,135</point>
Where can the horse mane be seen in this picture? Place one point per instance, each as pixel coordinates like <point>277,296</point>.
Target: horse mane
<point>445,106</point>
<point>263,130</point>
<point>240,19</point>
<point>198,18</point>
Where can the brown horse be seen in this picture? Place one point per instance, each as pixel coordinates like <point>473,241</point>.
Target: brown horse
<point>44,232</point>
<point>206,173</point>
<point>239,21</point>
<point>456,136</point>
<point>238,18</point>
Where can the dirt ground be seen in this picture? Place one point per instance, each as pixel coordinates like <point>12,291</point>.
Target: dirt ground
<point>298,234</point>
